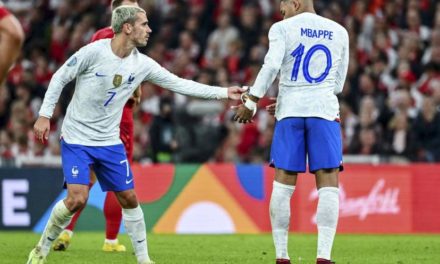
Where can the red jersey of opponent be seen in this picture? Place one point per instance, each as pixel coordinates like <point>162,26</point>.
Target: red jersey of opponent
<point>3,11</point>
<point>126,127</point>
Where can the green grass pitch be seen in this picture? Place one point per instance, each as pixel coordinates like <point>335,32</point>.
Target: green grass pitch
<point>206,249</point>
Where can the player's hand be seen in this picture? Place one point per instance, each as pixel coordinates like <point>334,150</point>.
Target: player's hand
<point>137,95</point>
<point>248,109</point>
<point>234,92</point>
<point>42,128</point>
<point>136,99</point>
<point>243,114</point>
<point>272,107</point>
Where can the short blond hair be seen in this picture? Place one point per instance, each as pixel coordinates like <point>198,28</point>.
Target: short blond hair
<point>124,14</point>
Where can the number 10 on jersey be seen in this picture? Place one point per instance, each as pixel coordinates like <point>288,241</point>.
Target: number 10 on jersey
<point>298,53</point>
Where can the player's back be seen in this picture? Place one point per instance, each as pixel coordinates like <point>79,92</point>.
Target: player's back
<point>314,66</point>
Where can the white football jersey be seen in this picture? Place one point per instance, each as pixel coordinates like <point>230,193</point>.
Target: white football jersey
<point>104,83</point>
<point>311,54</point>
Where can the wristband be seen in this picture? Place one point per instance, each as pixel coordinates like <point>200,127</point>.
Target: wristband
<point>251,105</point>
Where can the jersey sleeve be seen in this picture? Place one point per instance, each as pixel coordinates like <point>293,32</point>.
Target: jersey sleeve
<point>341,73</point>
<point>162,77</point>
<point>272,62</point>
<point>73,67</point>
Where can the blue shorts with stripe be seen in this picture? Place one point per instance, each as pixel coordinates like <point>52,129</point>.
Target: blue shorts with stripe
<point>297,139</point>
<point>109,163</point>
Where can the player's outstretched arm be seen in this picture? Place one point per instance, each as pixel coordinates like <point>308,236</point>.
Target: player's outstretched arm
<point>163,78</point>
<point>42,128</point>
<point>235,92</point>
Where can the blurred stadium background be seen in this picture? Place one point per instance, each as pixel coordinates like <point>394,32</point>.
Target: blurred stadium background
<point>198,172</point>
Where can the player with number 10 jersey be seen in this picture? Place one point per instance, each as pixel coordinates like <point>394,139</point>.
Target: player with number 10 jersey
<point>311,54</point>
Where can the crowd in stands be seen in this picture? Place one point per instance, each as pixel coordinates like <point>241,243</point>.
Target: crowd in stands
<point>390,105</point>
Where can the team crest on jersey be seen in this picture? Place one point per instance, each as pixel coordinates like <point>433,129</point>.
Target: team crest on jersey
<point>72,62</point>
<point>117,80</point>
<point>131,78</point>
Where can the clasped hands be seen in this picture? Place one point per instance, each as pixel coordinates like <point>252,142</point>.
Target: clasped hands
<point>247,110</point>
<point>243,114</point>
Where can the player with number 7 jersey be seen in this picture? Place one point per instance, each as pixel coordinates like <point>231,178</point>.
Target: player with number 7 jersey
<point>311,54</point>
<point>107,73</point>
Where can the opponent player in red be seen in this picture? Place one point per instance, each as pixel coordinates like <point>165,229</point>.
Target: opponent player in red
<point>11,41</point>
<point>112,209</point>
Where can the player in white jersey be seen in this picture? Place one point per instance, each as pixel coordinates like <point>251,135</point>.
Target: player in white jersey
<point>311,54</point>
<point>107,72</point>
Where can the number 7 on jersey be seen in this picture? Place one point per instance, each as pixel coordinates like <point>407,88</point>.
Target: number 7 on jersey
<point>112,94</point>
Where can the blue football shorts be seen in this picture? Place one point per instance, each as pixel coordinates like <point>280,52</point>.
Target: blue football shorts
<point>109,163</point>
<point>297,139</point>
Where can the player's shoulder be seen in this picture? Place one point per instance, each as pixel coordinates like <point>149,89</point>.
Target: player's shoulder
<point>99,44</point>
<point>278,24</point>
<point>96,47</point>
<point>277,27</point>
<point>144,57</point>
